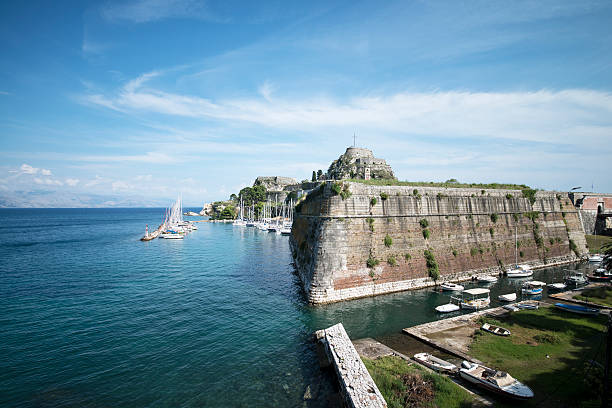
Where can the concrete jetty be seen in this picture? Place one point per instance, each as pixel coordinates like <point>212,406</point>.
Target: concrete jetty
<point>356,385</point>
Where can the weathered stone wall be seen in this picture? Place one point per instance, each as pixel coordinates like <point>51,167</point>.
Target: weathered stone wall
<point>333,238</point>
<point>589,219</point>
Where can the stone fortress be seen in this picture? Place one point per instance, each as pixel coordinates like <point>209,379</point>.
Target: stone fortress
<point>372,239</point>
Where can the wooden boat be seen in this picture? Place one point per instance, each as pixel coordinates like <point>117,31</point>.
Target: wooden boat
<point>495,381</point>
<point>447,308</point>
<point>600,275</point>
<point>511,308</point>
<point>510,297</point>
<point>577,309</point>
<point>557,286</point>
<point>473,299</point>
<point>451,286</point>
<point>532,287</point>
<point>435,363</point>
<point>500,331</point>
<point>487,279</point>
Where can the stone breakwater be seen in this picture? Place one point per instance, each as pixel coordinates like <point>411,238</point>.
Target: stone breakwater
<point>468,231</point>
<point>356,385</point>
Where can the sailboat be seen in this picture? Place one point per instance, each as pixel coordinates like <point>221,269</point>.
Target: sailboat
<point>519,271</point>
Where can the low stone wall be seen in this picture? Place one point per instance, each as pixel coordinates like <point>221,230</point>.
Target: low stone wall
<point>468,231</point>
<point>357,386</point>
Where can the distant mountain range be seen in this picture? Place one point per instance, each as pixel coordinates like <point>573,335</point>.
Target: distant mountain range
<point>50,199</point>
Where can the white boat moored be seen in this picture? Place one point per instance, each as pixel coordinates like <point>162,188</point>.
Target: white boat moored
<point>487,279</point>
<point>473,299</point>
<point>451,286</point>
<point>447,308</point>
<point>496,381</point>
<point>435,363</point>
<point>510,297</point>
<point>557,286</point>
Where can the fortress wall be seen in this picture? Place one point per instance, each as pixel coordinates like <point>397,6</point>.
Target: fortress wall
<point>333,238</point>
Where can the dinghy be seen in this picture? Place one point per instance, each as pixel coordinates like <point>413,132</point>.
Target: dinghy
<point>435,363</point>
<point>447,308</point>
<point>451,286</point>
<point>496,381</point>
<point>532,288</point>
<point>557,286</point>
<point>511,308</point>
<point>510,297</point>
<point>500,331</point>
<point>577,309</point>
<point>528,304</point>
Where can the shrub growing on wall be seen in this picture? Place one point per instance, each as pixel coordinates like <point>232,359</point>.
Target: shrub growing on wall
<point>373,201</point>
<point>388,241</point>
<point>372,262</point>
<point>424,223</point>
<point>494,217</point>
<point>384,196</point>
<point>370,223</point>
<point>426,233</point>
<point>392,261</point>
<point>432,265</point>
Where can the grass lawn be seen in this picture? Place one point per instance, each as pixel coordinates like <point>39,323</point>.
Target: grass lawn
<point>390,374</point>
<point>601,295</point>
<point>549,350</point>
<point>595,242</point>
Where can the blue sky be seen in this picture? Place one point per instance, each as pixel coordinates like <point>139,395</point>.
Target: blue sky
<point>129,103</point>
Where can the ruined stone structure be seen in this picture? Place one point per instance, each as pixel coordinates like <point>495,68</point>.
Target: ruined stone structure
<point>359,163</point>
<point>595,210</point>
<point>468,231</point>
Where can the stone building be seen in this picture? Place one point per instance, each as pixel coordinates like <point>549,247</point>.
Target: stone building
<point>359,163</point>
<point>595,210</point>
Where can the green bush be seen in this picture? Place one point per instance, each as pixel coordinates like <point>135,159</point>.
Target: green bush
<point>415,192</point>
<point>345,193</point>
<point>473,251</point>
<point>372,262</point>
<point>407,257</point>
<point>530,194</point>
<point>392,261</point>
<point>336,187</point>
<point>426,233</point>
<point>550,338</point>
<point>491,231</point>
<point>532,215</point>
<point>373,201</point>
<point>573,247</point>
<point>494,217</point>
<point>562,214</point>
<point>482,192</point>
<point>388,241</point>
<point>521,254</point>
<point>515,216</point>
<point>432,265</point>
<point>424,223</point>
<point>370,223</point>
<point>455,252</point>
<point>551,240</point>
<point>384,196</point>
<point>508,196</point>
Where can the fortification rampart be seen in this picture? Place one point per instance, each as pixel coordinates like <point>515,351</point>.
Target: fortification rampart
<point>468,231</point>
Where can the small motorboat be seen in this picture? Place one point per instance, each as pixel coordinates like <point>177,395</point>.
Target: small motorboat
<point>487,279</point>
<point>451,286</point>
<point>600,275</point>
<point>595,258</point>
<point>510,297</point>
<point>557,286</point>
<point>171,235</point>
<point>435,363</point>
<point>447,308</point>
<point>500,331</point>
<point>519,271</point>
<point>532,288</point>
<point>528,304</point>
<point>511,308</point>
<point>496,381</point>
<point>577,309</point>
<point>473,299</point>
<point>576,279</point>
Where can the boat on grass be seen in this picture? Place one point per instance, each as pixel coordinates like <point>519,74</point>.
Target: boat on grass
<point>511,308</point>
<point>577,309</point>
<point>528,304</point>
<point>473,299</point>
<point>495,381</point>
<point>451,287</point>
<point>435,363</point>
<point>500,331</point>
<point>533,288</point>
<point>510,297</point>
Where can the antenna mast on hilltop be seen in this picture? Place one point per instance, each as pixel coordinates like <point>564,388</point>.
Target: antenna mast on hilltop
<point>354,140</point>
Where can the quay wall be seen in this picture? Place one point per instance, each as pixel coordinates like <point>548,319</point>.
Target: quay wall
<point>471,231</point>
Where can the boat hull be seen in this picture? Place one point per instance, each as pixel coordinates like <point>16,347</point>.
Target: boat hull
<point>583,310</point>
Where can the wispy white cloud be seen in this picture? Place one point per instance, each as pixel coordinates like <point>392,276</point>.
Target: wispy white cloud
<point>5,93</point>
<point>71,182</point>
<point>45,172</point>
<point>48,181</point>
<point>144,11</point>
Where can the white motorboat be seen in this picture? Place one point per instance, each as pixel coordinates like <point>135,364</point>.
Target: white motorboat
<point>532,288</point>
<point>496,381</point>
<point>557,286</point>
<point>170,235</point>
<point>451,286</point>
<point>487,279</point>
<point>575,279</point>
<point>595,258</point>
<point>447,308</point>
<point>510,297</point>
<point>285,230</point>
<point>435,363</point>
<point>473,299</point>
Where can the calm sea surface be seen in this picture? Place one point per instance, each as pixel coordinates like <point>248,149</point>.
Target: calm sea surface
<point>92,317</point>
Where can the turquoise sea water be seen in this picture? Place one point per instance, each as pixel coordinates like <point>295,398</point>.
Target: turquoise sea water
<point>92,317</point>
